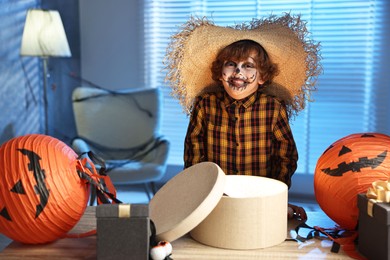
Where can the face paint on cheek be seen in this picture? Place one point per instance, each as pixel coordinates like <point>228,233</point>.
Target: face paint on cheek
<point>225,77</point>
<point>252,78</point>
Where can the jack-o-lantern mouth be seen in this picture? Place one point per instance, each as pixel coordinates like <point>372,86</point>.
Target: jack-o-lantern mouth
<point>39,176</point>
<point>362,162</point>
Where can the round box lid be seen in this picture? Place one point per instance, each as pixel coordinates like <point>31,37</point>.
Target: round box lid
<point>186,200</point>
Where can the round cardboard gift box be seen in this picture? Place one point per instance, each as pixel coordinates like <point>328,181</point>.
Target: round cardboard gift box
<point>226,211</point>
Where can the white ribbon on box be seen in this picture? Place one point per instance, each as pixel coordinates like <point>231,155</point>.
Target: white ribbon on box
<point>379,192</point>
<point>124,210</point>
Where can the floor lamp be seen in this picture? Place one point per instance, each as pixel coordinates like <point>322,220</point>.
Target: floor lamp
<point>44,36</point>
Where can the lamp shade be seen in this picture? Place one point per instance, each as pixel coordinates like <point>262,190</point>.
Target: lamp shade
<point>44,35</point>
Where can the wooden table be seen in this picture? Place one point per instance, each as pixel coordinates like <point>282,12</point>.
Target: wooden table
<point>67,248</point>
<point>187,248</point>
<point>183,248</point>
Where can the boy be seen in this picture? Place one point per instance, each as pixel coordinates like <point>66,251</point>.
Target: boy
<point>259,77</point>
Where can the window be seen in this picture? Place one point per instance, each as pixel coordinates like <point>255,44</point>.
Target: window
<point>347,99</point>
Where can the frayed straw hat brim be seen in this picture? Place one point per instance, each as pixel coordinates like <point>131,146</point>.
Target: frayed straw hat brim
<point>194,48</point>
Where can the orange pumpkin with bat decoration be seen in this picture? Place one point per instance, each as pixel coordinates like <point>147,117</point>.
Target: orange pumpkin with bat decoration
<point>42,192</point>
<point>346,168</point>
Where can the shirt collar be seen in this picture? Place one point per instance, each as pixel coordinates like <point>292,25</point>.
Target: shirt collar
<point>246,102</point>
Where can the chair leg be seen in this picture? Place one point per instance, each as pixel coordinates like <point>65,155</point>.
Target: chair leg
<point>150,189</point>
<point>92,197</point>
<point>147,191</point>
<point>153,185</point>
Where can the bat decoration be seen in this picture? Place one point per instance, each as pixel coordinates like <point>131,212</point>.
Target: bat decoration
<point>362,162</point>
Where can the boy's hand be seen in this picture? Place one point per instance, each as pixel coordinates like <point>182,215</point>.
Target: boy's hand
<point>297,212</point>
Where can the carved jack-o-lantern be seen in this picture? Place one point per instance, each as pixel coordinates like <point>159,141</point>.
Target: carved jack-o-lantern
<point>348,167</point>
<point>41,194</point>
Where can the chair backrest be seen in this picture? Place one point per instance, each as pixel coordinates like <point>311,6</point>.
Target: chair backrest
<point>122,119</point>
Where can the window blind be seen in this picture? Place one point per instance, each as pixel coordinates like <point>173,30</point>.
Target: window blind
<point>21,105</point>
<point>350,33</point>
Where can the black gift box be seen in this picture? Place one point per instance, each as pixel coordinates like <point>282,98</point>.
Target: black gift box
<point>374,230</point>
<point>123,231</point>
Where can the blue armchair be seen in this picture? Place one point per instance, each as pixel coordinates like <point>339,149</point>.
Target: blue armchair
<point>122,127</point>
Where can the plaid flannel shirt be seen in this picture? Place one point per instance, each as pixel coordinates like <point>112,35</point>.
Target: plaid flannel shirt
<point>251,136</point>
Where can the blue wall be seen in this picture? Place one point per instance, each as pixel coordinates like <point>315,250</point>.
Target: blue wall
<point>21,84</point>
<point>20,93</point>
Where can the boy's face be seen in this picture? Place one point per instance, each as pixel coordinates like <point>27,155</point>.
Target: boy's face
<point>240,78</point>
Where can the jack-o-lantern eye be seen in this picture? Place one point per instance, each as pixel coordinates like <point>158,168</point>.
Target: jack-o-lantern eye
<point>4,214</point>
<point>17,188</point>
<point>348,167</point>
<point>344,150</point>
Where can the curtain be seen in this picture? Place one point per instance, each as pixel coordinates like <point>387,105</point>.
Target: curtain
<point>350,96</point>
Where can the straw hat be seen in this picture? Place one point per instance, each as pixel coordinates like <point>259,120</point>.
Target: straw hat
<point>191,52</point>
